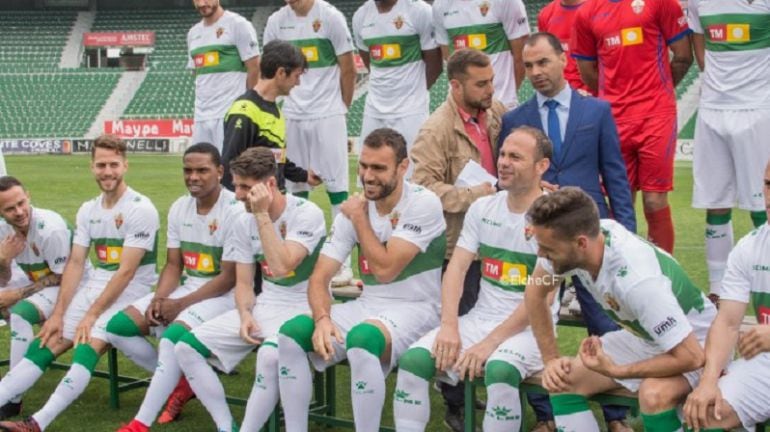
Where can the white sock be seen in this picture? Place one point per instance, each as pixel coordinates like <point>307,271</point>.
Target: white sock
<point>367,386</point>
<point>205,383</point>
<point>22,334</point>
<point>69,388</point>
<point>165,378</point>
<point>264,394</point>
<point>18,380</point>
<point>411,402</point>
<point>503,408</point>
<point>580,419</point>
<point>137,348</point>
<point>295,382</point>
<point>719,243</point>
<point>335,211</point>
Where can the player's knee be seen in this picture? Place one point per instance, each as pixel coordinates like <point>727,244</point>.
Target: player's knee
<point>267,357</point>
<point>501,372</point>
<point>26,311</point>
<point>656,395</point>
<point>174,332</point>
<point>189,345</point>
<point>121,324</point>
<point>418,361</point>
<point>41,357</point>
<point>300,330</point>
<point>368,337</point>
<point>86,356</point>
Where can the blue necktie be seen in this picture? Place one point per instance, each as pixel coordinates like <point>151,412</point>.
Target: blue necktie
<point>554,131</point>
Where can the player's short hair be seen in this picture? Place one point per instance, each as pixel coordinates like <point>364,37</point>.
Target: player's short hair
<point>543,145</point>
<point>553,41</point>
<point>109,142</point>
<point>205,148</point>
<point>389,138</point>
<point>457,66</point>
<point>280,54</point>
<point>257,163</point>
<point>569,211</point>
<point>8,182</point>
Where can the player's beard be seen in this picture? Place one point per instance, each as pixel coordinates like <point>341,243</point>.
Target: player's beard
<point>571,262</point>
<point>109,184</point>
<point>481,104</point>
<point>210,10</point>
<point>385,188</point>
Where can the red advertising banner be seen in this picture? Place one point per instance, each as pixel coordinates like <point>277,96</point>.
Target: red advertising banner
<point>137,38</point>
<point>165,128</point>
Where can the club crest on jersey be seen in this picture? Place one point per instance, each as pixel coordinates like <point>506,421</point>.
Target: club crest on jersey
<point>40,225</point>
<point>394,219</point>
<point>35,250</point>
<point>398,22</point>
<point>316,25</point>
<point>637,6</point>
<point>118,220</point>
<point>484,8</point>
<point>220,32</point>
<point>282,229</point>
<point>610,300</point>
<point>213,226</point>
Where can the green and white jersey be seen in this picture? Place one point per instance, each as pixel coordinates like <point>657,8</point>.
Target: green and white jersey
<point>322,36</point>
<point>737,34</point>
<point>747,278</point>
<point>48,244</point>
<point>217,53</point>
<point>395,41</point>
<point>132,222</point>
<point>486,25</point>
<point>201,238</point>
<point>645,291</point>
<point>301,222</point>
<point>507,253</point>
<point>417,218</point>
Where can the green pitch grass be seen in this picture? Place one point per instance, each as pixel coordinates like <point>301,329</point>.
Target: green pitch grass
<point>62,183</point>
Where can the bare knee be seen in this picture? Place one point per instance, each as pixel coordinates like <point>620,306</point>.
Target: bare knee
<point>654,201</point>
<point>657,395</point>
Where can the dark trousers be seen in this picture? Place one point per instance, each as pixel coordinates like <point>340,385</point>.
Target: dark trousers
<point>454,396</point>
<point>598,323</point>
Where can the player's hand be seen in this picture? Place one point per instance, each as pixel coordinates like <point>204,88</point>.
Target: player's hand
<point>8,298</point>
<point>548,187</point>
<point>12,246</point>
<point>594,358</point>
<point>169,309</point>
<point>51,331</point>
<point>152,314</point>
<point>355,206</point>
<point>556,374</point>
<point>446,347</point>
<point>260,197</point>
<point>83,330</point>
<point>754,341</point>
<point>249,329</point>
<point>324,336</point>
<point>313,179</point>
<point>472,360</point>
<point>696,408</point>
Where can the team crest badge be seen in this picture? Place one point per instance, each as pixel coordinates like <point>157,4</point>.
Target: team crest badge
<point>610,300</point>
<point>316,25</point>
<point>394,219</point>
<point>213,226</point>
<point>637,6</point>
<point>282,229</point>
<point>398,22</point>
<point>35,250</point>
<point>118,220</point>
<point>220,32</point>
<point>484,8</point>
<point>528,232</point>
<point>40,225</point>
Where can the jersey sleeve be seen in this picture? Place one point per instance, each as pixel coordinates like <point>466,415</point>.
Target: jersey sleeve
<point>357,39</point>
<point>672,21</point>
<point>736,283</point>
<point>439,31</point>
<point>339,34</point>
<point>693,16</point>
<point>246,40</point>
<point>141,226</point>
<point>421,222</point>
<point>423,20</point>
<point>308,228</point>
<point>582,42</point>
<point>82,234</point>
<point>513,15</point>
<point>663,320</point>
<point>56,249</point>
<point>190,61</point>
<point>470,235</point>
<point>173,240</point>
<point>341,240</point>
<point>270,34</point>
<point>238,242</point>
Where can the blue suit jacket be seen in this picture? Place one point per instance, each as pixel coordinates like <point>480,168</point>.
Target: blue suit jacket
<point>591,148</point>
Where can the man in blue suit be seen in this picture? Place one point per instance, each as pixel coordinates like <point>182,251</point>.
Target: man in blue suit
<point>586,154</point>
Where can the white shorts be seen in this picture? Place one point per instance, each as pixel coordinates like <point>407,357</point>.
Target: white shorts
<point>210,131</point>
<point>408,126</point>
<point>194,315</point>
<point>729,158</point>
<point>745,387</point>
<point>87,293</point>
<point>321,145</point>
<point>405,321</point>
<point>624,348</point>
<point>222,335</point>
<point>520,350</point>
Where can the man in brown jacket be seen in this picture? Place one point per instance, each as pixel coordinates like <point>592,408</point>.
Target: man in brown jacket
<point>464,128</point>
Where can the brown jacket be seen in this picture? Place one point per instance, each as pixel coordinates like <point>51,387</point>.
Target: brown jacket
<point>439,153</point>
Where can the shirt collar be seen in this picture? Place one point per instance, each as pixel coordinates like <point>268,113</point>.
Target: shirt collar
<point>564,97</point>
<point>467,117</point>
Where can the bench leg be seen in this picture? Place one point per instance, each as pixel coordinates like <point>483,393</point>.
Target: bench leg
<point>470,408</point>
<point>112,366</point>
<point>331,391</point>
